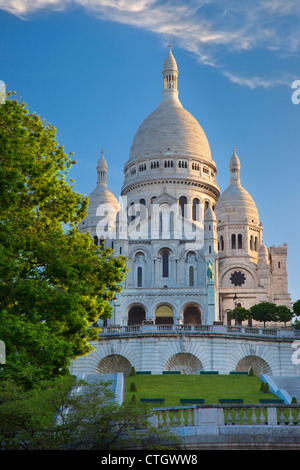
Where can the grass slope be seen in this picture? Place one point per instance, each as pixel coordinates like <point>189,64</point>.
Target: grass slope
<point>209,387</point>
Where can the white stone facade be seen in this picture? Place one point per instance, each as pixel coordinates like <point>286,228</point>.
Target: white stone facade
<point>189,249</point>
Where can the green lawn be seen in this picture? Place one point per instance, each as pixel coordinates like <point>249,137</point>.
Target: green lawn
<point>209,387</point>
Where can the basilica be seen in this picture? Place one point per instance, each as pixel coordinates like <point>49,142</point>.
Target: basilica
<point>193,253</point>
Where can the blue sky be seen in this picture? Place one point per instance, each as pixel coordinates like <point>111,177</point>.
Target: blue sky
<point>93,69</point>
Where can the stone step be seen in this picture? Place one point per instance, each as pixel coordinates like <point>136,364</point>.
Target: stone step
<point>289,383</point>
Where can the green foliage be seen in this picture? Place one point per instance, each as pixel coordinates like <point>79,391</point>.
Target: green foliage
<point>267,388</point>
<point>251,372</point>
<point>93,421</point>
<point>283,314</point>
<point>294,401</point>
<point>264,312</point>
<point>54,282</point>
<point>262,386</point>
<point>133,387</point>
<point>132,372</point>
<point>296,325</point>
<point>239,313</point>
<point>296,307</point>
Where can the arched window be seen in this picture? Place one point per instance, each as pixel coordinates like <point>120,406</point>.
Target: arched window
<point>240,241</point>
<point>102,243</point>
<point>96,240</point>
<point>191,276</point>
<point>196,209</point>
<point>139,277</point>
<point>182,204</point>
<point>221,243</point>
<point>165,264</point>
<point>251,243</point>
<point>131,212</point>
<point>233,241</point>
<point>256,244</point>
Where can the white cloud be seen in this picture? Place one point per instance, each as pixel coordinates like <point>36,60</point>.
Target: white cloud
<point>259,82</point>
<point>202,27</point>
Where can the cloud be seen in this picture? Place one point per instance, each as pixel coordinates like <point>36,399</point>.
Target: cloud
<point>259,82</point>
<point>212,33</point>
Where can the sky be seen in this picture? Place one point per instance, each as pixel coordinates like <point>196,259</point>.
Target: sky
<point>92,68</point>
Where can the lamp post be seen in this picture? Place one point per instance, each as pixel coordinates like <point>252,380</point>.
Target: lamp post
<point>114,300</point>
<point>235,299</point>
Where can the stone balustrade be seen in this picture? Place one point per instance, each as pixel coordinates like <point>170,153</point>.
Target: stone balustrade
<point>200,329</point>
<point>208,416</point>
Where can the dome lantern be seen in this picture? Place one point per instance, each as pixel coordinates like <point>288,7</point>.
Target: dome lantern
<point>234,167</point>
<point>170,75</point>
<point>102,170</point>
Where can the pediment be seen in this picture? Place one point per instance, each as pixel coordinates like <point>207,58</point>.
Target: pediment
<point>165,198</point>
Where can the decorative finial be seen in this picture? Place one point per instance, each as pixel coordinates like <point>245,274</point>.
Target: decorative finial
<point>102,153</point>
<point>170,47</point>
<point>234,149</point>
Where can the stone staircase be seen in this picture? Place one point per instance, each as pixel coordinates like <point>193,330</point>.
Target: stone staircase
<point>117,383</point>
<point>289,383</point>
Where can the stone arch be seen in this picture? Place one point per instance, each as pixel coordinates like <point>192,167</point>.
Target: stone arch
<point>136,314</point>
<point>186,363</point>
<point>140,254</point>
<point>190,255</point>
<point>192,314</point>
<point>164,314</point>
<point>259,365</point>
<point>114,363</point>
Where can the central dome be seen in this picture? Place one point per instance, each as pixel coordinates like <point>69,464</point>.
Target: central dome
<point>170,129</point>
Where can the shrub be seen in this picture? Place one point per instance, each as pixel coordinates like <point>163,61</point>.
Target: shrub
<point>251,372</point>
<point>133,399</point>
<point>133,387</point>
<point>267,388</point>
<point>262,387</point>
<point>132,371</point>
<point>294,401</point>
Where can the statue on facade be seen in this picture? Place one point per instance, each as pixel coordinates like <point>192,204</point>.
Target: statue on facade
<point>210,271</point>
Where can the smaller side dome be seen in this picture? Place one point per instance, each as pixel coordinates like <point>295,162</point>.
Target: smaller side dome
<point>235,203</point>
<point>103,205</point>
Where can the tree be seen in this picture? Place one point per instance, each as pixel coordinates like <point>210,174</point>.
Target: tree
<point>239,313</point>
<point>86,418</point>
<point>264,312</point>
<point>296,307</point>
<point>283,314</point>
<point>54,282</point>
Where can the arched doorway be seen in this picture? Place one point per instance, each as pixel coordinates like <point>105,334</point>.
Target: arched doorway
<point>136,315</point>
<point>192,315</point>
<point>113,364</point>
<point>185,362</point>
<point>164,315</point>
<point>257,363</point>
